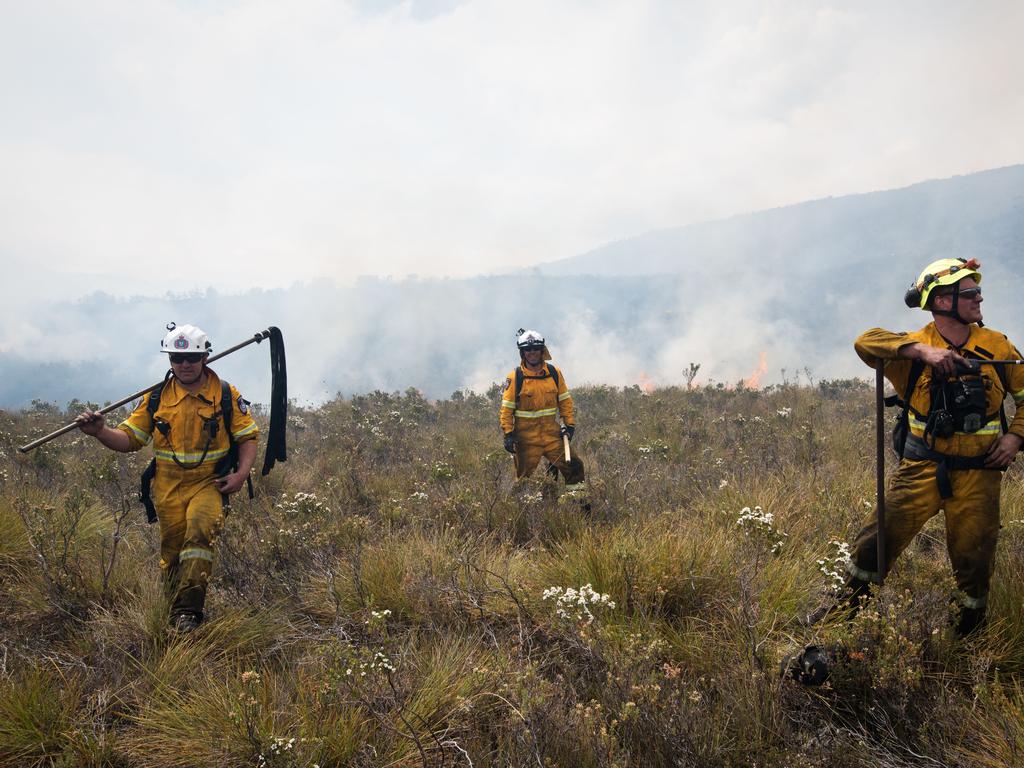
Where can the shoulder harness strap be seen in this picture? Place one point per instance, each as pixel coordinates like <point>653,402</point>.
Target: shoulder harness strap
<point>1001,373</point>
<point>154,396</point>
<point>903,400</point>
<point>901,430</point>
<point>145,494</point>
<point>226,407</point>
<point>230,462</point>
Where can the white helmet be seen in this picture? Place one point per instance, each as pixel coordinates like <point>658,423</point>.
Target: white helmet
<point>527,340</point>
<point>185,338</point>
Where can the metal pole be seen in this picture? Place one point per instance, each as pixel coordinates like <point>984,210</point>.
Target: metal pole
<point>256,338</point>
<point>880,464</point>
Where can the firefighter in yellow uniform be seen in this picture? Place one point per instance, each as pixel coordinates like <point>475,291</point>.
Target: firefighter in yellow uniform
<point>187,421</point>
<point>957,442</point>
<point>535,396</point>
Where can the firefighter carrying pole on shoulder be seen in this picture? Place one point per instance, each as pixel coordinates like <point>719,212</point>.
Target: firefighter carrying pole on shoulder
<point>534,398</point>
<point>204,441</point>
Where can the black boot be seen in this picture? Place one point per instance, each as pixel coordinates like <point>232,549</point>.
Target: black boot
<point>971,620</point>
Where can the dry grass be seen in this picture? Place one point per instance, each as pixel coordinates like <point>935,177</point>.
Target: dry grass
<point>382,601</point>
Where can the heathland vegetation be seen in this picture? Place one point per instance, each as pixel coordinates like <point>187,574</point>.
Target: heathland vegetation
<point>391,598</point>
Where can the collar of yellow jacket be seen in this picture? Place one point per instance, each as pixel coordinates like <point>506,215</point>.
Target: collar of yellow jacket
<point>173,392</point>
<point>939,340</point>
<point>536,374</point>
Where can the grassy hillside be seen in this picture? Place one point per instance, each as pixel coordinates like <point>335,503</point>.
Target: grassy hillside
<point>390,598</point>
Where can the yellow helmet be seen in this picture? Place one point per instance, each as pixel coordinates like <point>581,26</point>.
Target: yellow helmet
<point>939,273</point>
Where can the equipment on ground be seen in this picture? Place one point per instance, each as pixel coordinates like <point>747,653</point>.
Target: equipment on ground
<point>809,666</point>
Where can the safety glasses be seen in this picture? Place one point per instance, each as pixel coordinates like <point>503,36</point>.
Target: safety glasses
<point>969,294</point>
<point>186,357</point>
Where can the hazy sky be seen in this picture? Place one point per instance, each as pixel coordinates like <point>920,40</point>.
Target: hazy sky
<point>252,142</point>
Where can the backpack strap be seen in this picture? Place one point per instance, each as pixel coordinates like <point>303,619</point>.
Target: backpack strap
<point>154,396</point>
<point>230,462</point>
<point>1001,373</point>
<point>226,408</point>
<point>902,428</point>
<point>553,373</point>
<point>145,492</point>
<point>916,368</point>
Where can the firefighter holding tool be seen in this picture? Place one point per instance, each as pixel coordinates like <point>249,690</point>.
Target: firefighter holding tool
<point>204,441</point>
<point>952,435</point>
<point>534,398</point>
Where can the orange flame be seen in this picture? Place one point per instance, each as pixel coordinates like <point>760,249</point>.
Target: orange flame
<point>755,378</point>
<point>645,384</point>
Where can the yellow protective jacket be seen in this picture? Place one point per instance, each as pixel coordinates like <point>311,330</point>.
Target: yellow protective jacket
<point>982,344</point>
<point>186,413</point>
<point>540,401</point>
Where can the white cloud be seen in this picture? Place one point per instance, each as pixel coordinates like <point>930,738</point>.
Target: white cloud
<point>259,143</point>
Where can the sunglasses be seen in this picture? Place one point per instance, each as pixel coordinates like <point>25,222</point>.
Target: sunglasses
<point>970,293</point>
<point>186,357</point>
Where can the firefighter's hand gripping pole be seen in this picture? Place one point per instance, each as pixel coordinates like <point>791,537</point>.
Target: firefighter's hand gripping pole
<point>880,465</point>
<point>254,339</point>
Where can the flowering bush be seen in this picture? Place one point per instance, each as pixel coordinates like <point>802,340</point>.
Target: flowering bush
<point>835,568</point>
<point>575,605</point>
<point>304,504</point>
<point>761,524</point>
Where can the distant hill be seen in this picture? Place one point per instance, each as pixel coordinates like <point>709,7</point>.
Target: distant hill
<point>980,215</point>
<point>791,286</point>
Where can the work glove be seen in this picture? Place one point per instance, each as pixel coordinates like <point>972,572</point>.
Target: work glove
<point>568,431</point>
<point>510,443</point>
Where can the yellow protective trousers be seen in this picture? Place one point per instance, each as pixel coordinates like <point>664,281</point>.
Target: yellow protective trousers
<point>190,509</point>
<point>972,524</point>
<point>538,442</point>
